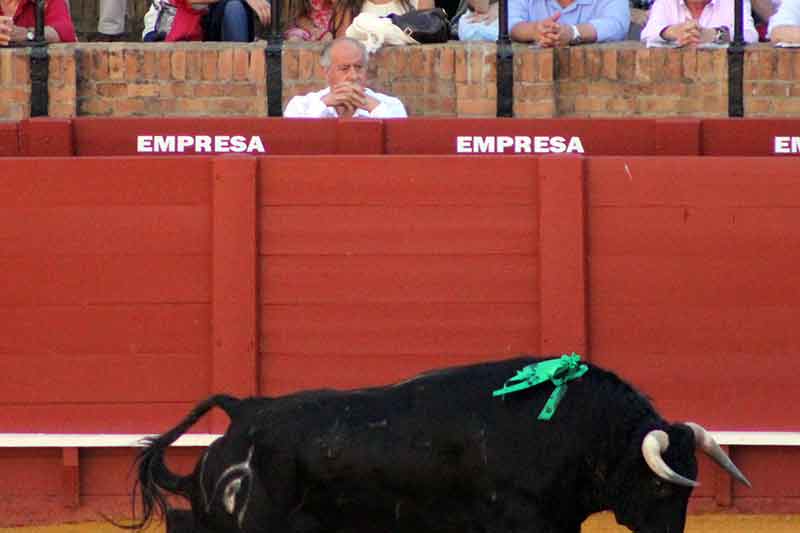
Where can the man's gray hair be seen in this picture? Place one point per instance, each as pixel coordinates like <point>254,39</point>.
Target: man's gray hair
<point>325,57</point>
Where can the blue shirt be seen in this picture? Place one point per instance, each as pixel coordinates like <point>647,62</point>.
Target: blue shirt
<point>610,18</point>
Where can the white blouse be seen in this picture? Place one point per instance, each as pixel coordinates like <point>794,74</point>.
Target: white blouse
<point>383,10</point>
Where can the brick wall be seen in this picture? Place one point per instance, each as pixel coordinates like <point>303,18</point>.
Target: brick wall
<point>453,79</point>
<point>15,88</point>
<point>772,82</point>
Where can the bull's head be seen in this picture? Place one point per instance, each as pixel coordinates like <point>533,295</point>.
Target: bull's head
<point>655,485</point>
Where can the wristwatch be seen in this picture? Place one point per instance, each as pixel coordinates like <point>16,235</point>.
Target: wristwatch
<point>30,35</point>
<point>722,35</point>
<point>576,35</point>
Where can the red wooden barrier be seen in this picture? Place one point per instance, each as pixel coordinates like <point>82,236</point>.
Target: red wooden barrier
<point>9,139</point>
<point>596,136</point>
<point>376,268</point>
<point>751,137</point>
<point>134,286</point>
<point>694,286</point>
<point>105,292</point>
<point>96,136</point>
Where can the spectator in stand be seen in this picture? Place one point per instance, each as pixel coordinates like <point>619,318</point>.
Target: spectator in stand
<point>346,96</point>
<point>553,23</point>
<point>476,20</point>
<point>347,10</point>
<point>765,8</point>
<point>111,20</point>
<point>218,20</point>
<point>18,21</point>
<point>693,22</point>
<point>158,20</point>
<point>314,22</point>
<point>784,26</point>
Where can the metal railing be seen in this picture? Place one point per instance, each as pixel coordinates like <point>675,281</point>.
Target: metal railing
<point>39,64</point>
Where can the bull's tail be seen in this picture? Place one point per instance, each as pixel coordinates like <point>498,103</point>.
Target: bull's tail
<point>155,481</point>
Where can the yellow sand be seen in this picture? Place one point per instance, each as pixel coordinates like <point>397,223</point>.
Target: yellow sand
<point>706,523</point>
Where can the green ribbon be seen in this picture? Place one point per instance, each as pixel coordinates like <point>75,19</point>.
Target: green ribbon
<point>557,371</point>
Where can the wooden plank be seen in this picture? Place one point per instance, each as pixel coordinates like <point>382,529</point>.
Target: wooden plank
<point>48,378</point>
<point>412,278</point>
<point>697,231</point>
<point>45,137</point>
<point>598,136</point>
<point>717,389</point>
<point>25,473</point>
<point>70,478</point>
<point>98,279</point>
<point>745,137</point>
<point>114,416</point>
<point>626,330</point>
<point>104,329</point>
<point>284,373</point>
<point>9,138</point>
<point>711,282</point>
<point>178,230</point>
<point>773,472</point>
<point>484,181</point>
<point>103,136</point>
<point>562,249</point>
<point>359,136</point>
<point>394,329</point>
<point>693,181</point>
<point>234,291</point>
<point>678,136</point>
<point>398,231</point>
<point>107,472</point>
<point>104,182</point>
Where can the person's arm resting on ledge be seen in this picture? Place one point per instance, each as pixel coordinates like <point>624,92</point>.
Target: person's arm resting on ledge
<point>610,23</point>
<point>784,26</point>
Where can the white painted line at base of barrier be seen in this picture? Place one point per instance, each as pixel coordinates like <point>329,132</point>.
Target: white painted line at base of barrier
<point>96,440</point>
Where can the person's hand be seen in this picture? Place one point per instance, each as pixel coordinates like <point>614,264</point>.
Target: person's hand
<point>6,28</point>
<point>345,98</point>
<point>549,31</point>
<point>262,10</point>
<point>685,34</point>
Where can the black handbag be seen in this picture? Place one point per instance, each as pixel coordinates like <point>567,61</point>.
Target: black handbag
<point>424,25</point>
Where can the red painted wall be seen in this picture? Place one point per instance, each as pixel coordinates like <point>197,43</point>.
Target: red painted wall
<point>135,286</point>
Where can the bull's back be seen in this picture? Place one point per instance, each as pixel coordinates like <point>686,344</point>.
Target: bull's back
<point>443,427</point>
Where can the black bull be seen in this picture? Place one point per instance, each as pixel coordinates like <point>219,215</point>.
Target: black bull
<point>435,453</point>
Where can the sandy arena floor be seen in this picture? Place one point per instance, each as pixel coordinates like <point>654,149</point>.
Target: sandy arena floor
<point>708,523</point>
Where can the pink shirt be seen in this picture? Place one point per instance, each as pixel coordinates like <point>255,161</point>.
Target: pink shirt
<point>716,13</point>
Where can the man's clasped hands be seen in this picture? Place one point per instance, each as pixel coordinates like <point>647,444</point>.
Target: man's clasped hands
<point>347,97</point>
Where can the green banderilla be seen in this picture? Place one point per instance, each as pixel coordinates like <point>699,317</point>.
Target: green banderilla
<point>557,371</point>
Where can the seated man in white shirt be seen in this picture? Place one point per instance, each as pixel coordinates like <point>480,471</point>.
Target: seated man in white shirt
<point>345,63</point>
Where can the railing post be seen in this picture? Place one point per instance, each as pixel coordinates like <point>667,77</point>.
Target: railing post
<point>505,65</point>
<point>40,66</point>
<point>275,64</point>
<point>736,63</point>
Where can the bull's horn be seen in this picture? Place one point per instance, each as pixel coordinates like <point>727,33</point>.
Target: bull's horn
<point>706,442</point>
<point>653,445</point>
